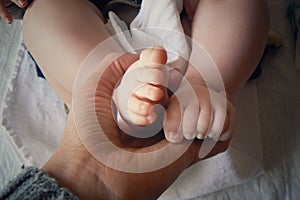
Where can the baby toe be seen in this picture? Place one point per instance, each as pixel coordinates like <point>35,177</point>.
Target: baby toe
<point>189,121</point>
<point>154,76</point>
<point>142,120</point>
<point>204,121</point>
<point>231,123</point>
<point>154,55</point>
<point>173,121</point>
<point>138,106</point>
<point>150,92</point>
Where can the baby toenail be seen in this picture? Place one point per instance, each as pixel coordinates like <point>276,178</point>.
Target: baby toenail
<point>225,136</point>
<point>151,117</point>
<point>174,137</point>
<point>214,136</point>
<point>189,136</point>
<point>201,136</point>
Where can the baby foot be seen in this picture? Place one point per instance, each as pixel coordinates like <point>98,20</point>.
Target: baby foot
<point>196,111</point>
<point>143,86</point>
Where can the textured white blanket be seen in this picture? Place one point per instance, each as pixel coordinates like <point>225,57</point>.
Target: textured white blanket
<point>31,111</point>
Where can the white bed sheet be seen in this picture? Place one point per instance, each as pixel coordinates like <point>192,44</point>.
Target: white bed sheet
<point>10,157</point>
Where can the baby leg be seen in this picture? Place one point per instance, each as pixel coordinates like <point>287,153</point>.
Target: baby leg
<point>234,33</point>
<point>60,34</point>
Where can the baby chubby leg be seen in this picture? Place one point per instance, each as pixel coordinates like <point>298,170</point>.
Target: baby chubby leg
<point>60,34</point>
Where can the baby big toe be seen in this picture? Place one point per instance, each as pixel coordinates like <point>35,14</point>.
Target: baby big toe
<point>150,92</point>
<point>154,55</point>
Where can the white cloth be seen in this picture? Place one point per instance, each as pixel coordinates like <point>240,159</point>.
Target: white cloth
<point>33,114</point>
<point>157,23</point>
<point>11,158</point>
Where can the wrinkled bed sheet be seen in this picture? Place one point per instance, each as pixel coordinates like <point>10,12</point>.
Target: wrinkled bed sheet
<point>10,157</point>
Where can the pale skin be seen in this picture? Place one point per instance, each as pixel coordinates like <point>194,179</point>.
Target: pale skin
<point>59,44</point>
